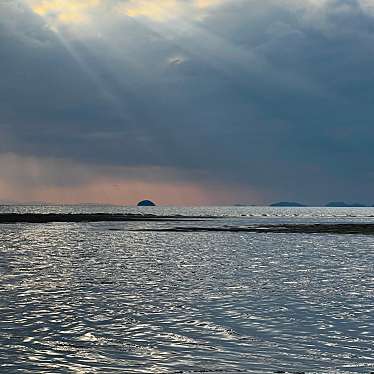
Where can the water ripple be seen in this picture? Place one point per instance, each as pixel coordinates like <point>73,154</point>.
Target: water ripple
<point>83,299</point>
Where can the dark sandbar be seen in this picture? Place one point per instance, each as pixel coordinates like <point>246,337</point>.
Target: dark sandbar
<point>323,228</point>
<point>88,217</point>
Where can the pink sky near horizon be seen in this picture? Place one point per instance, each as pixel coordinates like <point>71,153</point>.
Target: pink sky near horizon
<point>120,193</point>
<point>29,179</point>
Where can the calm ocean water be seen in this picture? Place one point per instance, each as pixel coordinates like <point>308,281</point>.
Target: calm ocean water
<point>103,297</point>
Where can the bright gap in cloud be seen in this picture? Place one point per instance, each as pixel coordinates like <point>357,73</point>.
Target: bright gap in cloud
<point>76,12</point>
<point>64,11</point>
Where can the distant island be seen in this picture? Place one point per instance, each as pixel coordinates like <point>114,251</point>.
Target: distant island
<point>146,203</point>
<point>244,205</point>
<point>342,204</point>
<point>287,204</point>
<point>331,204</point>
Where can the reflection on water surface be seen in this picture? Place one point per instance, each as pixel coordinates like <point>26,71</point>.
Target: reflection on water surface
<point>84,298</point>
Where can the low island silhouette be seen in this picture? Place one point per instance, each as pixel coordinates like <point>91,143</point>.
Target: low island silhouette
<point>287,204</point>
<point>342,204</point>
<point>331,204</point>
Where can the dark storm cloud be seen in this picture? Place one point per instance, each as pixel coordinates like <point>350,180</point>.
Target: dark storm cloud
<point>274,96</point>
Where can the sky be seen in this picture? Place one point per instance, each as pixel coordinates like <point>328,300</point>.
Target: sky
<point>187,102</point>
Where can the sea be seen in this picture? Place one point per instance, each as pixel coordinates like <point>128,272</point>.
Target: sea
<point>132,297</point>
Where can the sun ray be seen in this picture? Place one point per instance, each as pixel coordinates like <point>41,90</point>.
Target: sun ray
<point>77,46</point>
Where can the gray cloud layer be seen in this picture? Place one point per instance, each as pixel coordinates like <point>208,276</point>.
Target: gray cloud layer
<point>271,96</point>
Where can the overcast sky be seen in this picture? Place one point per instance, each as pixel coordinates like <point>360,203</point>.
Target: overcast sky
<point>187,101</point>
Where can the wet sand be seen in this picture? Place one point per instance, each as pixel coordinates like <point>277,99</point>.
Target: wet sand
<point>320,228</point>
<point>365,229</point>
<point>87,217</point>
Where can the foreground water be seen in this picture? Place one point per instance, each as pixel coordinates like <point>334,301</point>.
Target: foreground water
<point>108,297</point>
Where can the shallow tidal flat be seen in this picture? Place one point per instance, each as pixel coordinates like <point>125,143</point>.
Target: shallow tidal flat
<point>186,295</point>
<point>322,228</point>
<point>84,217</point>
<point>325,228</point>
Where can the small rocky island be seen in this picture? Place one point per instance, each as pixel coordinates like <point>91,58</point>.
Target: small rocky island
<point>146,203</point>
